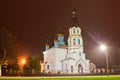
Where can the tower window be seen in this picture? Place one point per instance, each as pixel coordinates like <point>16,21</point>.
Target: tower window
<point>77,30</point>
<point>70,42</point>
<point>73,30</point>
<point>78,41</point>
<point>74,41</point>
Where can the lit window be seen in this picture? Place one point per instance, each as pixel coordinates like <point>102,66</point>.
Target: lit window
<point>74,41</point>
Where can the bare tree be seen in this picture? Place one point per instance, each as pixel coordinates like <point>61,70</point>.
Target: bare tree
<point>7,45</point>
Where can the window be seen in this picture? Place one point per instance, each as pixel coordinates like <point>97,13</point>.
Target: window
<point>77,30</point>
<point>79,68</point>
<point>80,54</point>
<point>74,30</point>
<point>70,42</point>
<point>74,41</point>
<point>66,66</point>
<point>78,41</point>
<point>48,67</point>
<point>71,69</point>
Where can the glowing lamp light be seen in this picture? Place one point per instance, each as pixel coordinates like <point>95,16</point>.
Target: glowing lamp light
<point>103,47</point>
<point>23,61</point>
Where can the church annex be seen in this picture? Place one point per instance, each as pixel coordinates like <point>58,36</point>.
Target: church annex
<point>67,59</point>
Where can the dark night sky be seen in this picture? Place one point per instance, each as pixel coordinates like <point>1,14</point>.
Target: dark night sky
<point>35,21</point>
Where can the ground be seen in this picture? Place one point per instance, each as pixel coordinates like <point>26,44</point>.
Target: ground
<point>64,78</point>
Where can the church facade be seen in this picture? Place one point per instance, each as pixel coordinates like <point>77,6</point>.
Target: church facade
<point>67,59</point>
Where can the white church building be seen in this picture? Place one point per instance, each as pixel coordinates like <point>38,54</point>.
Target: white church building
<point>67,59</point>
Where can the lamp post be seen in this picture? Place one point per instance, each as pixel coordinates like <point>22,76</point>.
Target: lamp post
<point>104,48</point>
<point>23,61</point>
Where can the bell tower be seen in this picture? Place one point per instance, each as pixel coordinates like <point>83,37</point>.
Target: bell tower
<point>75,41</point>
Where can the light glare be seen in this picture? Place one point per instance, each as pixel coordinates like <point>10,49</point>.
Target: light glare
<point>103,47</point>
<point>23,61</point>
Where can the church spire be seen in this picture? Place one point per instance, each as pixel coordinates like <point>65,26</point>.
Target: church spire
<point>74,20</point>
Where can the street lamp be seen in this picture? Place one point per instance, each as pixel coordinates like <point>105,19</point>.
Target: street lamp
<point>104,48</point>
<point>23,61</point>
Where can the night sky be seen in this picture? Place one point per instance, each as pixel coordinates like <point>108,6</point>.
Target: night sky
<point>36,21</point>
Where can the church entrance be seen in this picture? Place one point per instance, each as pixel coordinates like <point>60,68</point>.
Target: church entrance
<point>80,68</point>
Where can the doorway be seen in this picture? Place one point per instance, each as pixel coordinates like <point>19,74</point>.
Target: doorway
<point>80,68</point>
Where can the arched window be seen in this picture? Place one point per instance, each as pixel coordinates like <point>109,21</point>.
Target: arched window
<point>78,31</point>
<point>71,69</point>
<point>48,67</point>
<point>70,42</point>
<point>74,30</point>
<point>78,41</point>
<point>74,41</point>
<point>66,66</point>
<point>80,54</point>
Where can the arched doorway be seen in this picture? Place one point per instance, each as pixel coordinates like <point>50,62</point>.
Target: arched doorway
<point>80,68</point>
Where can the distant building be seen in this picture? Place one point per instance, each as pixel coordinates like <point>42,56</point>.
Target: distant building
<point>67,59</point>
